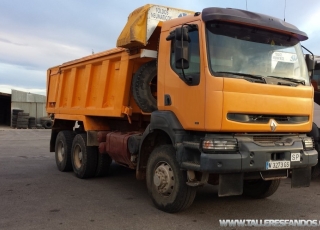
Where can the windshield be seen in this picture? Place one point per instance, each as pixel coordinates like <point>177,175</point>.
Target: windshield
<point>246,50</point>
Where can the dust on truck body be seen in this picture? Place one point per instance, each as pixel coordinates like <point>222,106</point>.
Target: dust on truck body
<point>189,99</point>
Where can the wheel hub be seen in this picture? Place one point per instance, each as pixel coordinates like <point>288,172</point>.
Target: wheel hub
<point>163,179</point>
<point>61,152</point>
<point>78,157</point>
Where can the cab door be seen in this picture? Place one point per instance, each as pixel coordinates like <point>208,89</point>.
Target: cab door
<point>184,99</point>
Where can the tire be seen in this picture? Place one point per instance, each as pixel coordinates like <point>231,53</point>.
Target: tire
<point>314,133</point>
<point>259,188</point>
<point>315,171</point>
<point>31,125</point>
<point>16,111</point>
<point>22,114</point>
<point>63,150</point>
<point>23,120</point>
<point>39,126</point>
<point>84,158</point>
<point>47,124</point>
<point>142,87</point>
<point>171,195</point>
<point>103,165</point>
<point>22,124</point>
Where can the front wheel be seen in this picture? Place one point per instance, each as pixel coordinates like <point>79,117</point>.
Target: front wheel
<point>259,188</point>
<point>166,182</point>
<point>315,171</point>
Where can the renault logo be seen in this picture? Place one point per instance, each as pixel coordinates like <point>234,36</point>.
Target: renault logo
<point>273,125</point>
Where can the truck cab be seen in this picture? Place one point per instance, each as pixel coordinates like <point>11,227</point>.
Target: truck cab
<point>235,98</point>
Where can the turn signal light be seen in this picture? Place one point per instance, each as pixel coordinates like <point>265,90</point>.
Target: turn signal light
<point>308,143</point>
<point>220,145</point>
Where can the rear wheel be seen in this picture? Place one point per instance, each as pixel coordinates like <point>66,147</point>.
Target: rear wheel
<point>260,188</point>
<point>84,158</point>
<point>63,150</point>
<point>166,182</point>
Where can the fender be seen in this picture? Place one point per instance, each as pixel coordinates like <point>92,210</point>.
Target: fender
<point>165,122</point>
<point>315,134</point>
<point>169,123</point>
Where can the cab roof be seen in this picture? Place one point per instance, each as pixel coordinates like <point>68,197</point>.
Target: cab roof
<point>252,19</point>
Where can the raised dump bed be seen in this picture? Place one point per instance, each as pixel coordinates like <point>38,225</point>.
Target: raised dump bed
<point>99,84</point>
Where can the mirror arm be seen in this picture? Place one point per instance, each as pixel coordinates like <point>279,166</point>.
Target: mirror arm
<point>312,71</point>
<point>307,50</point>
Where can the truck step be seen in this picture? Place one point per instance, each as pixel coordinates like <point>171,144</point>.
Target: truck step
<point>191,145</point>
<point>190,166</point>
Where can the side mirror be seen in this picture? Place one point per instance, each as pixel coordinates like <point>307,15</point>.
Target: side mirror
<point>181,48</point>
<point>310,62</point>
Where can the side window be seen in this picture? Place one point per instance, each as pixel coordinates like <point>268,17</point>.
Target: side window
<point>194,56</point>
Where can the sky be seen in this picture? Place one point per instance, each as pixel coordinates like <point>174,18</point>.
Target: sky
<point>38,34</point>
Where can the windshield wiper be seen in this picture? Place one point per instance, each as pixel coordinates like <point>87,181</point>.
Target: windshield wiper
<point>290,79</point>
<point>246,76</point>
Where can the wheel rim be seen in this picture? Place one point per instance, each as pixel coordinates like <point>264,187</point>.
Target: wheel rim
<point>163,179</point>
<point>60,151</point>
<point>77,157</point>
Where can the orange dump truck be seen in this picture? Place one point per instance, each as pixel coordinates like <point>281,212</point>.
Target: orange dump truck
<point>220,96</point>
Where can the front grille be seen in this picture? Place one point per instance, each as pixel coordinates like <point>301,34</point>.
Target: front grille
<point>264,119</point>
<point>267,139</point>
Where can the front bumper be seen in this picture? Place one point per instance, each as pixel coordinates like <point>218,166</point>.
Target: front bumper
<point>249,162</point>
<point>253,157</point>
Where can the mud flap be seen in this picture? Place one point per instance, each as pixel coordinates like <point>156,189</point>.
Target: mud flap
<point>230,184</point>
<point>301,177</point>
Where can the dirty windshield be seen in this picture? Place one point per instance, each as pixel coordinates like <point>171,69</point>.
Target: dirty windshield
<point>236,50</point>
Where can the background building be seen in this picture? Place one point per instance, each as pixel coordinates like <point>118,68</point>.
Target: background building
<point>31,103</point>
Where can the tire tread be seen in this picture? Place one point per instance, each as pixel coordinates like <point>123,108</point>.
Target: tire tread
<point>140,90</point>
<point>185,194</point>
<point>68,136</point>
<point>262,190</point>
<point>89,167</point>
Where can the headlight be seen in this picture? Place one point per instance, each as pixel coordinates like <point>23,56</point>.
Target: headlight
<point>220,144</point>
<point>308,143</point>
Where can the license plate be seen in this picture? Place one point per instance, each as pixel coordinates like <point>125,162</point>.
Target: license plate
<point>277,165</point>
<point>295,156</point>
